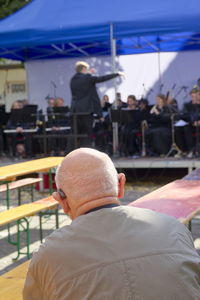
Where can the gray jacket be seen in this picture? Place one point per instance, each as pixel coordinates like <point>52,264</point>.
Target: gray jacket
<point>121,253</point>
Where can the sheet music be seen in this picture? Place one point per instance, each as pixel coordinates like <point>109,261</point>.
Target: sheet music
<point>180,123</point>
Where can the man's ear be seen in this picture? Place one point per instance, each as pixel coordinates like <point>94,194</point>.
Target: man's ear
<point>121,185</point>
<point>62,201</point>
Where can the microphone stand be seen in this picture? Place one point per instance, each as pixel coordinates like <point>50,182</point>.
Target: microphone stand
<point>174,146</point>
<point>54,88</point>
<point>179,91</point>
<point>161,87</point>
<point>149,92</point>
<point>186,93</point>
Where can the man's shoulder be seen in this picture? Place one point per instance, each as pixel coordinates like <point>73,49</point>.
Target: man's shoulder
<point>155,220</point>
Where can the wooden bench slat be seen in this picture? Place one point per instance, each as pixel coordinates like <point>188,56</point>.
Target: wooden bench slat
<point>17,272</point>
<point>26,210</point>
<point>11,288</point>
<point>19,183</point>
<point>28,167</point>
<point>12,282</point>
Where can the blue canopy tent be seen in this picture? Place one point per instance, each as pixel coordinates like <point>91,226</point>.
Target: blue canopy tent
<point>49,29</point>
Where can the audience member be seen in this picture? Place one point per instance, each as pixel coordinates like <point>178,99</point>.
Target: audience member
<point>110,251</point>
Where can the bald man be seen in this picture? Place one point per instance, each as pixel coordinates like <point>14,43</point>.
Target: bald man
<point>109,251</point>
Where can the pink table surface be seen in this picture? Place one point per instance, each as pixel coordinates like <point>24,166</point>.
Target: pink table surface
<point>180,199</point>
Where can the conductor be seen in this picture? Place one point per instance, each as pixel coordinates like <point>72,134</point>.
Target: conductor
<point>85,99</point>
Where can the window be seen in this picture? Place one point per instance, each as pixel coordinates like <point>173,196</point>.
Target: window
<point>18,88</point>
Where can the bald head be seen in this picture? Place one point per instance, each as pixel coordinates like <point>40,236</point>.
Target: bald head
<point>88,179</point>
<point>86,174</point>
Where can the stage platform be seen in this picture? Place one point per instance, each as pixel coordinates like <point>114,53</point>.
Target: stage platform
<point>137,163</point>
<point>159,163</point>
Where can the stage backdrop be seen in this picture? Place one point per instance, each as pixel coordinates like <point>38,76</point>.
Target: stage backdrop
<point>179,72</point>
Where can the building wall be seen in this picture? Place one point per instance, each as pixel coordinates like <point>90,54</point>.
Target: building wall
<point>12,86</point>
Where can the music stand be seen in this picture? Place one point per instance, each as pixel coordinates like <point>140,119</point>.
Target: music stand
<point>3,116</point>
<point>30,114</point>
<point>58,115</point>
<point>133,117</point>
<point>25,115</point>
<point>115,115</point>
<point>16,116</point>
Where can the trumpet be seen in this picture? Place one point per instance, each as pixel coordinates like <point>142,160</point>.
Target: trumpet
<point>144,126</point>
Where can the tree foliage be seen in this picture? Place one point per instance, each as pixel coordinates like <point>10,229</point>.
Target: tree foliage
<point>7,7</point>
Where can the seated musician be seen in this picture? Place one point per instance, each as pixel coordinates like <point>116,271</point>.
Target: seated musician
<point>20,141</point>
<point>130,127</point>
<point>105,104</point>
<point>102,128</point>
<point>16,140</point>
<point>172,102</point>
<point>57,120</point>
<point>120,104</point>
<point>51,104</point>
<point>145,108</point>
<point>191,116</point>
<point>158,135</point>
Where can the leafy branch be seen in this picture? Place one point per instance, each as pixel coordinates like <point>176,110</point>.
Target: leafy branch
<point>7,7</point>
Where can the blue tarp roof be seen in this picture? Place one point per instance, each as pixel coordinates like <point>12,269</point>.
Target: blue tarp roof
<point>51,29</point>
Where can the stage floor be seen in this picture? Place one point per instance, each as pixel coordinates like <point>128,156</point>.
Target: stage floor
<point>154,162</point>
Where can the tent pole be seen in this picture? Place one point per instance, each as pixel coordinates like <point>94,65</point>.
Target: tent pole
<point>113,64</point>
<point>159,69</point>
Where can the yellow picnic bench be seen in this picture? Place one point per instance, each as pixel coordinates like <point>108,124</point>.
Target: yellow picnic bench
<point>10,172</point>
<point>20,214</point>
<point>12,282</point>
<point>32,166</point>
<point>21,183</point>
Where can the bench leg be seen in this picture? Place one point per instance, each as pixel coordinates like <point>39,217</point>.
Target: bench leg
<point>19,196</point>
<point>9,236</point>
<point>21,228</point>
<point>32,193</point>
<point>48,214</point>
<point>50,182</point>
<point>41,233</point>
<point>7,195</point>
<point>190,225</point>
